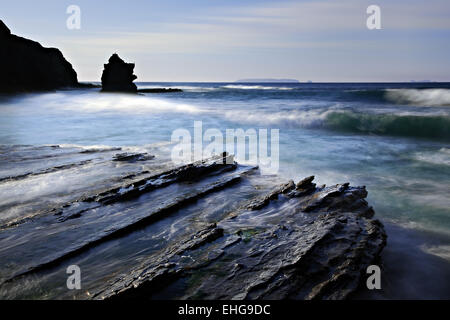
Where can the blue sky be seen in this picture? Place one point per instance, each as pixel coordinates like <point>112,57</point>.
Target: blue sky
<point>215,40</point>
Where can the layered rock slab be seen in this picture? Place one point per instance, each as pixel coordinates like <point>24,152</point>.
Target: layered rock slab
<point>212,229</point>
<point>319,249</point>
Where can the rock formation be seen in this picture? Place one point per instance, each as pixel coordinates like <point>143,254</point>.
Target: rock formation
<point>118,76</point>
<point>25,65</point>
<point>212,229</point>
<point>159,90</point>
<point>320,256</point>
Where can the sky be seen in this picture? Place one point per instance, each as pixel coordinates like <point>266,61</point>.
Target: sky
<point>216,40</point>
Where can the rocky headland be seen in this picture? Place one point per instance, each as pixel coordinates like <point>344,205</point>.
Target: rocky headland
<point>27,66</point>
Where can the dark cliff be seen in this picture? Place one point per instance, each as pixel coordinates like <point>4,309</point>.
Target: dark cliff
<point>26,65</point>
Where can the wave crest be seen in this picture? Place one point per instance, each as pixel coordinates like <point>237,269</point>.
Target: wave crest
<point>254,87</point>
<point>423,97</point>
<point>431,126</point>
<point>407,125</point>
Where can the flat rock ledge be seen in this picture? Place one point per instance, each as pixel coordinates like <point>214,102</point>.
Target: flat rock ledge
<point>320,249</point>
<point>214,229</point>
<point>159,90</point>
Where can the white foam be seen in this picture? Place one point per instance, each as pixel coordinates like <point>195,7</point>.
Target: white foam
<point>88,147</point>
<point>441,157</point>
<point>422,97</point>
<point>442,251</point>
<point>108,103</point>
<point>297,118</point>
<point>254,87</point>
<point>26,196</point>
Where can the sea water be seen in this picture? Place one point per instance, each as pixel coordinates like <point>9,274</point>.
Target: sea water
<point>392,138</point>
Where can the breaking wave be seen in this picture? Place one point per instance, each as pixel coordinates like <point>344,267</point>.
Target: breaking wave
<point>255,87</point>
<point>407,125</point>
<point>423,97</point>
<point>421,126</point>
<point>292,118</point>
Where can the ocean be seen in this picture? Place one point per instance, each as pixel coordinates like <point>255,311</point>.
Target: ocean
<point>394,138</point>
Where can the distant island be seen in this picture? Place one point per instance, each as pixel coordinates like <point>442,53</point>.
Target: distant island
<point>268,80</point>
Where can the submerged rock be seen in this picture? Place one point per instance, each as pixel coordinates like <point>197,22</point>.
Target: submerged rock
<point>118,76</point>
<point>26,65</point>
<point>132,157</point>
<point>159,90</point>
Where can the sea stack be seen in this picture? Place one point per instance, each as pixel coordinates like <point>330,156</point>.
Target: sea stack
<point>26,65</point>
<point>118,76</point>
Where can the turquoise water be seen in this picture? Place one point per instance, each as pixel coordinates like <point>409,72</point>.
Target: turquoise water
<point>393,138</point>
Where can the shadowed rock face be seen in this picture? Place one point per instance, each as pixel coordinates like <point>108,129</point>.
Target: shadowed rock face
<point>118,76</point>
<point>212,229</point>
<point>25,65</point>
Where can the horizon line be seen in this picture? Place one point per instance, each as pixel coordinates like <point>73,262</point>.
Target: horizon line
<point>299,82</point>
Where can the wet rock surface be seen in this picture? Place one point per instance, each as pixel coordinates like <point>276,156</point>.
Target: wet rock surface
<point>321,256</point>
<point>118,76</point>
<point>132,157</point>
<point>26,65</point>
<point>212,229</point>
